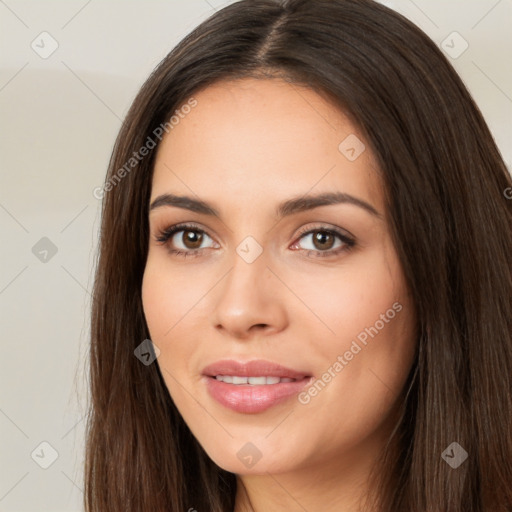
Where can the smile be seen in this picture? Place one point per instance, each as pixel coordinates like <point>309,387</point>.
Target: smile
<point>254,386</point>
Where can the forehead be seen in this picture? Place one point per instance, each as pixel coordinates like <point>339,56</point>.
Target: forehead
<point>263,140</point>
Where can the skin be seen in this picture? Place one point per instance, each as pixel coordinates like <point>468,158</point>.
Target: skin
<point>247,146</point>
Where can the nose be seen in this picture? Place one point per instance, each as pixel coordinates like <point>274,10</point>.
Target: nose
<point>249,301</point>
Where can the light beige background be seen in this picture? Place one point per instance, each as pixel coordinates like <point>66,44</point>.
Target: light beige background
<point>59,118</point>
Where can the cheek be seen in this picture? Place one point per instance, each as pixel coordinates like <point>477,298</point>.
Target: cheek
<point>354,297</point>
<point>165,303</point>
<point>171,301</point>
<point>164,309</point>
<point>366,357</point>
<point>167,297</point>
<point>362,380</point>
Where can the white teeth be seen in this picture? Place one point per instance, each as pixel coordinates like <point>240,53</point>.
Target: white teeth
<point>253,381</point>
<point>257,381</point>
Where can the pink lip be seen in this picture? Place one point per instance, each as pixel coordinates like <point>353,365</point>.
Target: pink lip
<point>246,398</point>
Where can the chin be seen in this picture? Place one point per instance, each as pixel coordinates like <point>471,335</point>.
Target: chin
<point>252,458</point>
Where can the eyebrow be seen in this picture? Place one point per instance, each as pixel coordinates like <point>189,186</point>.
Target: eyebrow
<point>286,208</point>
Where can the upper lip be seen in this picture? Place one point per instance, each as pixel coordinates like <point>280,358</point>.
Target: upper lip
<point>255,368</point>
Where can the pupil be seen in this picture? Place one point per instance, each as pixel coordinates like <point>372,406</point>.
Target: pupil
<point>323,239</point>
<point>193,239</point>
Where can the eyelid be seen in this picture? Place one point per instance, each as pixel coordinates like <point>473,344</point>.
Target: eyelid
<point>165,234</point>
<point>325,227</point>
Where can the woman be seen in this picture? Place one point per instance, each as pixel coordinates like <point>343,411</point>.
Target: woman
<point>302,299</point>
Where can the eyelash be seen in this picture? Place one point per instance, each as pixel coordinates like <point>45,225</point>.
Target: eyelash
<point>166,234</point>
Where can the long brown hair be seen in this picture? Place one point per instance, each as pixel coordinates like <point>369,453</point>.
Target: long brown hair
<point>451,222</point>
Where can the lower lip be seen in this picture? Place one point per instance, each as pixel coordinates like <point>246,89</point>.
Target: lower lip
<point>248,399</point>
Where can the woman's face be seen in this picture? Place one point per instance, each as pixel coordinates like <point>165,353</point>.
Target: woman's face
<point>285,281</point>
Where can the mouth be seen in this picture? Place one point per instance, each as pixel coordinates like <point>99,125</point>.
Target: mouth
<point>254,386</point>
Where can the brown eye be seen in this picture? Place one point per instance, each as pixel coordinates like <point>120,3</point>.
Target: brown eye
<point>185,239</point>
<point>191,239</point>
<point>323,240</point>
